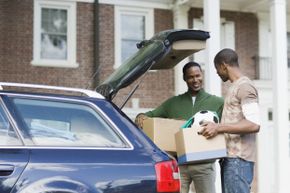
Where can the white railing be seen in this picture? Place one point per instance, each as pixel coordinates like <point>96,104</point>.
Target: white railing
<point>264,68</point>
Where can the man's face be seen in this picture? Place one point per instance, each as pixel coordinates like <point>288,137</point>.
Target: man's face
<point>193,78</point>
<point>222,72</point>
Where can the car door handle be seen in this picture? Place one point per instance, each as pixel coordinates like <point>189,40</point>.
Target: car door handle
<point>6,170</point>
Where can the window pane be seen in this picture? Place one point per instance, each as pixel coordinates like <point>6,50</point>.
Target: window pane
<point>64,124</point>
<point>53,47</point>
<point>53,34</point>
<point>54,21</point>
<point>127,48</point>
<point>133,31</point>
<point>7,134</point>
<point>133,27</point>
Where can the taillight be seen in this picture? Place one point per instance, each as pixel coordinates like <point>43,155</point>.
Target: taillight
<point>167,176</point>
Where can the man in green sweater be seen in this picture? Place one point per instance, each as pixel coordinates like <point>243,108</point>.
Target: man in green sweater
<point>184,106</point>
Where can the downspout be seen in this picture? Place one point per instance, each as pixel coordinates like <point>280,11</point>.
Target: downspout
<point>96,45</point>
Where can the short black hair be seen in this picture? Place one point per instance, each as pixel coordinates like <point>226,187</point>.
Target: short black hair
<point>189,65</point>
<point>227,56</point>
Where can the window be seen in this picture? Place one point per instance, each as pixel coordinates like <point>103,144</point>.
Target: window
<point>54,123</point>
<point>132,26</point>
<point>7,134</point>
<point>54,34</point>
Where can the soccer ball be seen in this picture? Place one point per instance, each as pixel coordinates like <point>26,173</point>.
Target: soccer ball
<point>201,116</point>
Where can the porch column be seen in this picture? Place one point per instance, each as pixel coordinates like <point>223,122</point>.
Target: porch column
<point>280,88</point>
<point>211,10</point>
<point>180,14</point>
<point>212,24</point>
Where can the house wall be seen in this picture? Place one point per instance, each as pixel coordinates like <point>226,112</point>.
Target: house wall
<point>17,47</point>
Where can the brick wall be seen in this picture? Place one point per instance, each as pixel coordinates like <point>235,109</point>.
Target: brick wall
<point>17,47</point>
<point>2,17</point>
<point>106,40</point>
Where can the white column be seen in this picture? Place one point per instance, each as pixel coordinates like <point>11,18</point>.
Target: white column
<point>180,13</point>
<point>212,24</point>
<point>265,157</point>
<point>280,88</point>
<point>211,11</point>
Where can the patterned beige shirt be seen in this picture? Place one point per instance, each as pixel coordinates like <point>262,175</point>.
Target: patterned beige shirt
<point>242,91</point>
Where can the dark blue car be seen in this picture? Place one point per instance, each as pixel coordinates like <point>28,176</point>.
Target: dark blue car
<point>65,143</point>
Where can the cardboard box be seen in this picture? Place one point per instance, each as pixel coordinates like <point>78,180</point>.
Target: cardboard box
<point>194,148</point>
<point>162,132</point>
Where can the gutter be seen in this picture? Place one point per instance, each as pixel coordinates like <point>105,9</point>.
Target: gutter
<point>96,45</point>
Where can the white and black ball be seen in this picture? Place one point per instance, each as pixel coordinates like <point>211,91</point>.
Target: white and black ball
<point>203,116</point>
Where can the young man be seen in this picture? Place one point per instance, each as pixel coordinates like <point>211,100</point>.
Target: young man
<point>184,106</point>
<point>240,123</point>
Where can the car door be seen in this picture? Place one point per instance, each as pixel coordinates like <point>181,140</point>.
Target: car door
<point>13,157</point>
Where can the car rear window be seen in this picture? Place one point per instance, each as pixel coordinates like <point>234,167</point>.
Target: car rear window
<point>63,123</point>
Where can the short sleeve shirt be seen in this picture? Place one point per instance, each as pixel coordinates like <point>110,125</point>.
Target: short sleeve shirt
<point>241,92</point>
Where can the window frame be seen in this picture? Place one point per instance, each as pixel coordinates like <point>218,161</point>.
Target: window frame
<point>148,13</point>
<point>70,7</point>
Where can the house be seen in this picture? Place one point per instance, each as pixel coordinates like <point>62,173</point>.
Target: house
<point>80,42</point>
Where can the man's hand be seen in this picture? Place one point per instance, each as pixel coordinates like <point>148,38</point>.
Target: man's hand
<point>139,120</point>
<point>209,130</point>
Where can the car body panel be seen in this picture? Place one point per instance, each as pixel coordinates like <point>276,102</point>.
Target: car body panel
<point>91,171</point>
<point>13,162</point>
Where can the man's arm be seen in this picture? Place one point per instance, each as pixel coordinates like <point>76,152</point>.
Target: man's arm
<point>250,124</point>
<point>242,127</point>
<point>158,112</point>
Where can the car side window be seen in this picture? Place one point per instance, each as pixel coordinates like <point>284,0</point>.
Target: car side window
<point>57,123</point>
<point>8,136</point>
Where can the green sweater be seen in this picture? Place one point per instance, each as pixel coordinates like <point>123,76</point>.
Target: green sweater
<point>181,106</point>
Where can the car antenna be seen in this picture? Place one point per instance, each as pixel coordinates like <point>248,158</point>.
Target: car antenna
<point>136,86</point>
